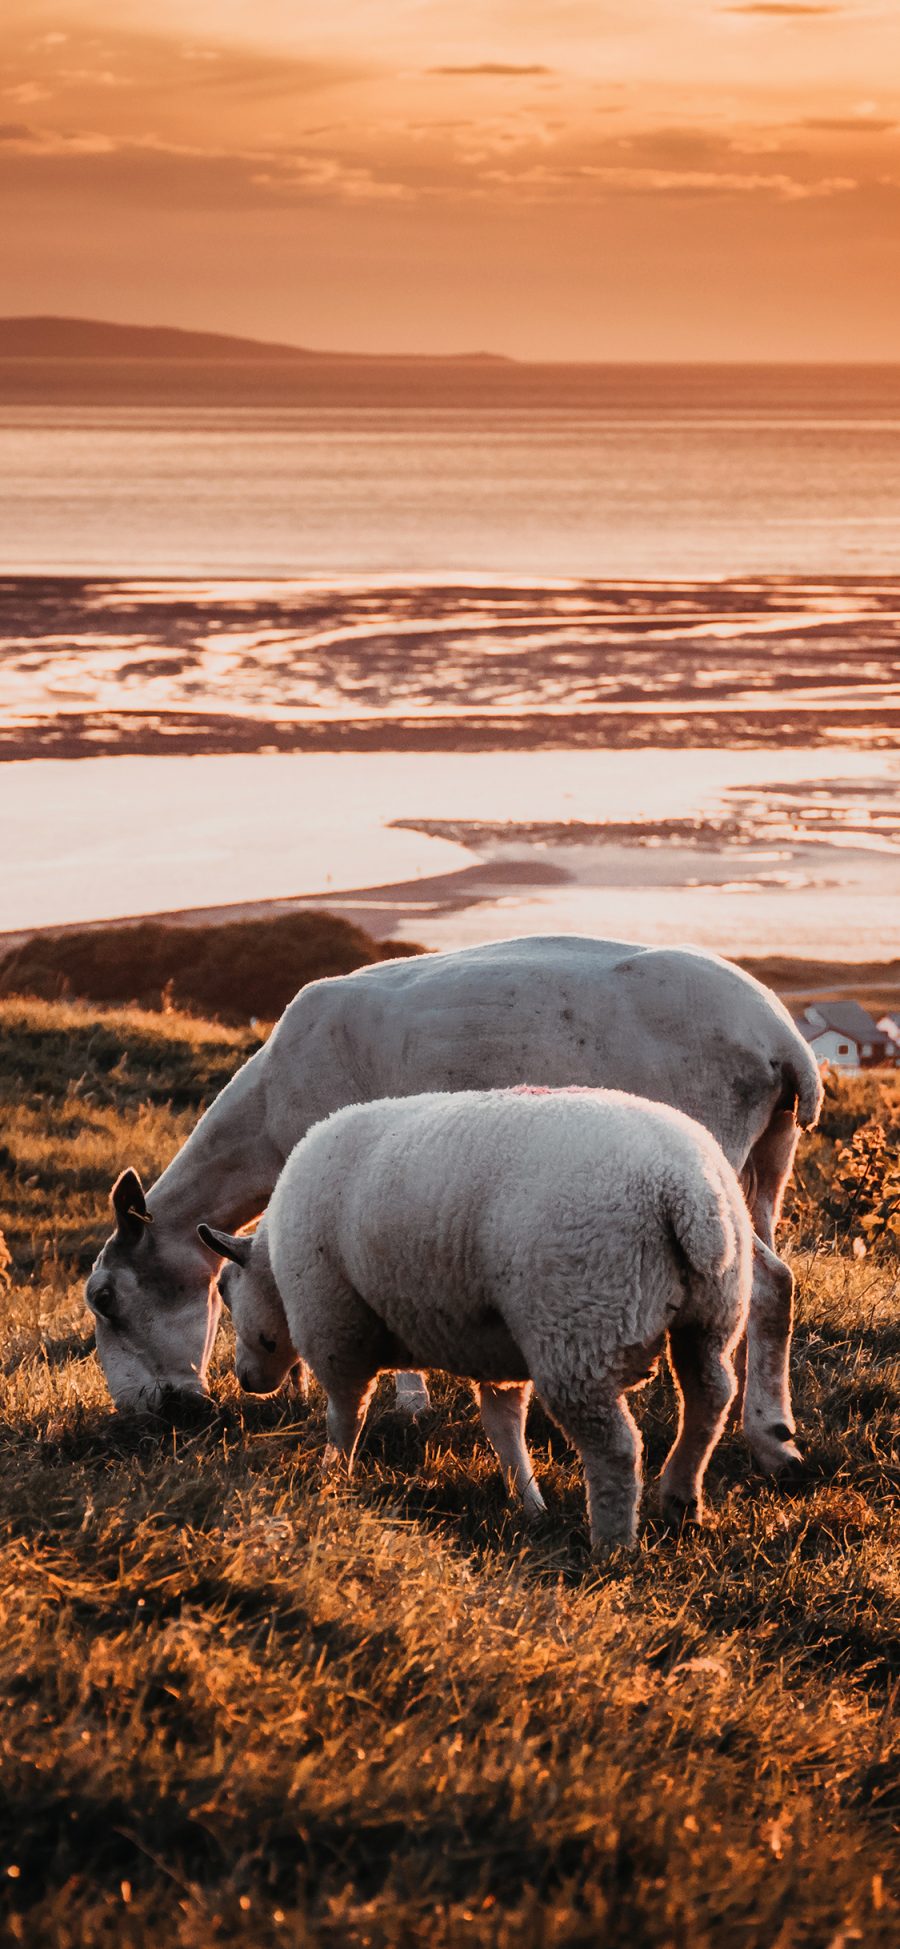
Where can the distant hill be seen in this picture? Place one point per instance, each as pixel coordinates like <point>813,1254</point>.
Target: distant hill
<point>50,361</point>
<point>94,338</point>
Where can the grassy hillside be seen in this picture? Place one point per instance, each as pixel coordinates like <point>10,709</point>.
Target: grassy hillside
<point>234,971</point>
<point>237,1708</point>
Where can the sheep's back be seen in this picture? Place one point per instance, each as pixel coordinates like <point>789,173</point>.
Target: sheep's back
<point>472,1214</point>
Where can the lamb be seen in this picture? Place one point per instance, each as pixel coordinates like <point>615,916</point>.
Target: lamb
<point>519,1238</point>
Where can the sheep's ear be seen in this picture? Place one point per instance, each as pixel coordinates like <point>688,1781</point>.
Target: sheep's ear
<point>225,1245</point>
<point>129,1208</point>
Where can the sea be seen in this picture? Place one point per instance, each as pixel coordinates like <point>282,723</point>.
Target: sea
<point>615,473</point>
<point>616,651</point>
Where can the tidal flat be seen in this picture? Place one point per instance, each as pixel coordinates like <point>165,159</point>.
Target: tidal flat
<point>453,760</point>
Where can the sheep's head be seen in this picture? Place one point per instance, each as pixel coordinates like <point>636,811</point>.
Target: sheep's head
<point>151,1292</point>
<point>264,1355</point>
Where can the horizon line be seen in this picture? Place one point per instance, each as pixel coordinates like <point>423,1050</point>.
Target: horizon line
<point>275,351</point>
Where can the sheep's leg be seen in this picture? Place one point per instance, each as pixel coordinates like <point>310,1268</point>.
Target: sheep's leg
<point>769,1167</point>
<point>610,1446</point>
<point>345,1416</point>
<point>706,1385</point>
<point>411,1394</point>
<point>768,1420</point>
<point>767,1417</point>
<point>602,1428</point>
<point>739,1363</point>
<point>298,1379</point>
<point>503,1412</point>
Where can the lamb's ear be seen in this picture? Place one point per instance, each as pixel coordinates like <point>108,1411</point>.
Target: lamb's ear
<point>225,1244</point>
<point>129,1207</point>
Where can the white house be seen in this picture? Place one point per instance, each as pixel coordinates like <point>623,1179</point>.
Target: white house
<point>845,1035</point>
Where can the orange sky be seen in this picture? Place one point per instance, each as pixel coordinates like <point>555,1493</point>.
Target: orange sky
<point>643,179</point>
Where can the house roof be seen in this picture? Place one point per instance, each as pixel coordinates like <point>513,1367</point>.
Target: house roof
<point>811,1032</point>
<point>846,1018</point>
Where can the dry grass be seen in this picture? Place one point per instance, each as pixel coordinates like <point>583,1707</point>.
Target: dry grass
<point>239,1709</point>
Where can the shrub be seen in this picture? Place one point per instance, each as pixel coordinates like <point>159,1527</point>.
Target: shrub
<point>846,1186</point>
<point>232,971</point>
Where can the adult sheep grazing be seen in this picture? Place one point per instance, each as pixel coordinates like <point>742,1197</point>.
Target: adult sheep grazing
<point>514,1237</point>
<point>673,1024</point>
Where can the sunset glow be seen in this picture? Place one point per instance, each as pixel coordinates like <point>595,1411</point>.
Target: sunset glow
<point>556,181</point>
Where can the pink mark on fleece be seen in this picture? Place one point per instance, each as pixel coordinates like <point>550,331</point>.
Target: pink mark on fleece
<point>548,1089</point>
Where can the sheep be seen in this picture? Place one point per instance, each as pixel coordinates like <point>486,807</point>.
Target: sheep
<point>519,1238</point>
<point>674,1024</point>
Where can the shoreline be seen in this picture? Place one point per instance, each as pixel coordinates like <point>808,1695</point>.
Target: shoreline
<point>759,850</point>
<point>379,909</point>
<point>437,893</point>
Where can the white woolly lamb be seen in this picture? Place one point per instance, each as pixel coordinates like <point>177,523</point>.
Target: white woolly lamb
<point>515,1237</point>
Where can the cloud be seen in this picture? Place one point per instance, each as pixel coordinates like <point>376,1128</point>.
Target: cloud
<point>44,145</point>
<point>848,125</point>
<point>168,176</point>
<point>27,92</point>
<point>662,163</point>
<point>315,178</point>
<point>613,180</point>
<point>783,9</point>
<point>517,161</point>
<point>505,69</point>
<point>128,81</point>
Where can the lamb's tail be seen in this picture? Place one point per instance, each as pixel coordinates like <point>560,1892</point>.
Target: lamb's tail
<point>708,1222</point>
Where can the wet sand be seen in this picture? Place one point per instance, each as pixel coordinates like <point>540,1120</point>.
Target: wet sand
<point>90,667</point>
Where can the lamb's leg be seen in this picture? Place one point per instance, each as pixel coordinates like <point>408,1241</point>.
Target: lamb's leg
<point>346,1413</point>
<point>706,1385</point>
<point>411,1394</point>
<point>767,1417</point>
<point>503,1411</point>
<point>600,1425</point>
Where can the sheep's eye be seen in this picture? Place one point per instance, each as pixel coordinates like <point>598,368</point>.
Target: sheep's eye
<point>270,1345</point>
<point>103,1303</point>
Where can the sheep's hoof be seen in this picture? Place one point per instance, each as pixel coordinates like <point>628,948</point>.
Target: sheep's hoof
<point>776,1451</point>
<point>412,1399</point>
<point>679,1511</point>
<point>608,1550</point>
<point>298,1380</point>
<point>332,1466</point>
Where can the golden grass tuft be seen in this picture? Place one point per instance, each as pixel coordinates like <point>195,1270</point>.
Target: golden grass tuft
<point>239,1708</point>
